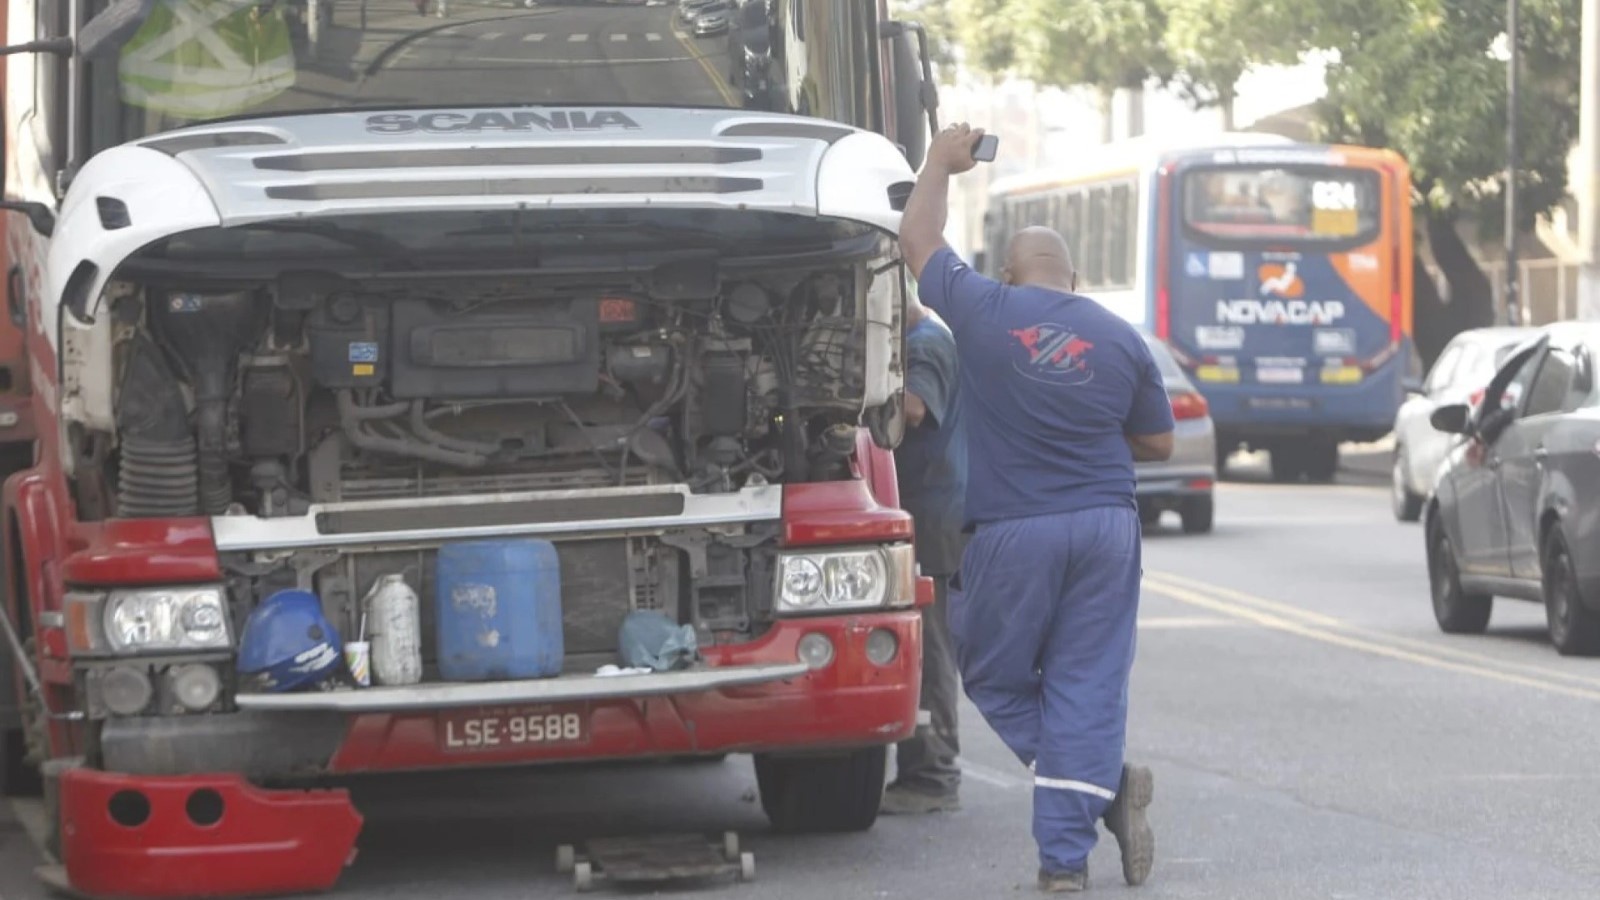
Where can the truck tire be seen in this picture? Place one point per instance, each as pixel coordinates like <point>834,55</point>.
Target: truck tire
<point>822,793</point>
<point>17,777</point>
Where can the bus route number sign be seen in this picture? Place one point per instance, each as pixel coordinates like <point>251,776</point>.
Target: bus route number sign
<point>1334,210</point>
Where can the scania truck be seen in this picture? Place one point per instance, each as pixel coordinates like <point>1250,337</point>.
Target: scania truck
<point>312,293</point>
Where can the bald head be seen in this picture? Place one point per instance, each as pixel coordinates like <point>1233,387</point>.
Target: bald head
<point>1040,256</point>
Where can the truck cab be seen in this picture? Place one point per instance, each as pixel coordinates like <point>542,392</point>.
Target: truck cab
<point>316,300</point>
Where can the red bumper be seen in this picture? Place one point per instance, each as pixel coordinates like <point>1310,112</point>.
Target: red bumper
<point>165,845</point>
<point>850,703</point>
<point>200,836</point>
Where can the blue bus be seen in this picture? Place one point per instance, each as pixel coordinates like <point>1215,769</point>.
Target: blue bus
<point>1277,272</point>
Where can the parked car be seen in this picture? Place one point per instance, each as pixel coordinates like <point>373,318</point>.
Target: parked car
<point>713,18</point>
<point>1516,509</point>
<point>1459,375</point>
<point>689,10</point>
<point>1187,481</point>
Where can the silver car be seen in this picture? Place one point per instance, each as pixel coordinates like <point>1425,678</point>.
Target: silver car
<point>1462,370</point>
<point>713,19</point>
<point>1186,482</point>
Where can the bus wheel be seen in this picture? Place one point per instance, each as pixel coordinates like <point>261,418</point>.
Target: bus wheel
<point>1287,462</point>
<point>1322,460</point>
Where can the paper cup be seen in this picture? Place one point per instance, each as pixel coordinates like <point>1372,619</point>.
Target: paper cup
<point>358,656</point>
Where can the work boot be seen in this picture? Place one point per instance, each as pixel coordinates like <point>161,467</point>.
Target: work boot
<point>1064,882</point>
<point>1126,819</point>
<point>900,800</point>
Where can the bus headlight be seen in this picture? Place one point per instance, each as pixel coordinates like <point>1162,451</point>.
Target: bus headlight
<point>846,579</point>
<point>166,619</point>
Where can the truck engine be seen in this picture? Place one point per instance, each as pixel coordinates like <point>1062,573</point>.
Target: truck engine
<point>281,396</point>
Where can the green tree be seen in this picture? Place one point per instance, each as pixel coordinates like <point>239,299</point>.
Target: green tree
<point>1101,44</point>
<point>1419,76</point>
<point>1214,42</point>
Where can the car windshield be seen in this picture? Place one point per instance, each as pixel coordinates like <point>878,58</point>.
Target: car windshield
<point>194,61</point>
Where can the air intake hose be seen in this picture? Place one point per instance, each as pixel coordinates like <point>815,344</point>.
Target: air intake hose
<point>158,472</point>
<point>208,332</point>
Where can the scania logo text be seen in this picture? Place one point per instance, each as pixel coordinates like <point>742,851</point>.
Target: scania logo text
<point>1279,312</point>
<point>519,121</point>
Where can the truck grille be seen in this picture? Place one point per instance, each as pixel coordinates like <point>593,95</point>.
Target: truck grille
<point>601,582</point>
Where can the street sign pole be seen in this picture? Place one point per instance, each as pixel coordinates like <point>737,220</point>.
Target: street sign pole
<point>1513,164</point>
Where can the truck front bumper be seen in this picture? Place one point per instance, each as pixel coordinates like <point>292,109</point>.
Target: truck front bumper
<point>140,837</point>
<point>147,826</point>
<point>752,697</point>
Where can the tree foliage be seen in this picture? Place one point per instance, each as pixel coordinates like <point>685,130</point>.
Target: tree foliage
<point>1418,76</point>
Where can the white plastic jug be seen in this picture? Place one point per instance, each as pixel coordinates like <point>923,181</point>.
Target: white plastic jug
<point>395,630</point>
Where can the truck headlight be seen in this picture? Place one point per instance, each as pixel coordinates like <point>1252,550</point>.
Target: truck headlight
<point>166,619</point>
<point>845,579</point>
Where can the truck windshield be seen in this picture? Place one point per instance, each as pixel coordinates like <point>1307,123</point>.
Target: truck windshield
<point>194,61</point>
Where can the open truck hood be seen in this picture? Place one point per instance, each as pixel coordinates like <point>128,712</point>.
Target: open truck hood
<point>250,171</point>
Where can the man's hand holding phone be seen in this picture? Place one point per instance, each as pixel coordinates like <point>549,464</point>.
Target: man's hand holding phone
<point>960,147</point>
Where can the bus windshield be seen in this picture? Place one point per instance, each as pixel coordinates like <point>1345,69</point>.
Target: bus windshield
<point>194,61</point>
<point>1298,205</point>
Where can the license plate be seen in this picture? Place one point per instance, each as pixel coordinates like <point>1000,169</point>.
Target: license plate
<point>1341,375</point>
<point>1280,376</point>
<point>487,730</point>
<point>1280,403</point>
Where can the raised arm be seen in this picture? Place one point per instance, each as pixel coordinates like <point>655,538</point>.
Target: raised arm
<point>928,208</point>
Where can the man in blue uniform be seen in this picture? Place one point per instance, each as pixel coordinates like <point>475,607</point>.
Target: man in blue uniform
<point>931,464</point>
<point>1061,397</point>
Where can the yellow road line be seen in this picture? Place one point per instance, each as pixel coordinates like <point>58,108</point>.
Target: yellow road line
<point>711,71</point>
<point>1290,626</point>
<point>1427,647</point>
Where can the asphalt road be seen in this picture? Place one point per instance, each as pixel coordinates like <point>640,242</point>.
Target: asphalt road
<point>1312,734</point>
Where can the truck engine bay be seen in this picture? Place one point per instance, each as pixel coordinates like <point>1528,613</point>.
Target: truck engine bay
<point>270,397</point>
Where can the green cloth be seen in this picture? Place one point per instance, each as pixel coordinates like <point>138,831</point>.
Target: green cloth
<point>205,59</point>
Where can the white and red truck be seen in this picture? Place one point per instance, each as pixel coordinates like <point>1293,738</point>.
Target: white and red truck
<point>313,292</point>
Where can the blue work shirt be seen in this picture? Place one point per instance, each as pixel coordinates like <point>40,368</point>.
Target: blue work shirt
<point>1051,382</point>
<point>931,461</point>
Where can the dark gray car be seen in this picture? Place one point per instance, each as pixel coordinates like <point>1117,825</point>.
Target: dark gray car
<point>1516,508</point>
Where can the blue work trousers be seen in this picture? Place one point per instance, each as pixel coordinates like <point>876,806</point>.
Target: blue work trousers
<point>1043,616</point>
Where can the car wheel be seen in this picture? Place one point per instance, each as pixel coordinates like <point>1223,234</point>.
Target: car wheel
<point>1574,628</point>
<point>822,794</point>
<point>1456,611</point>
<point>1407,505</point>
<point>1197,513</point>
<point>1150,514</point>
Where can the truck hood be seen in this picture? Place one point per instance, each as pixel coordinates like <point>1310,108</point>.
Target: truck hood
<point>249,171</point>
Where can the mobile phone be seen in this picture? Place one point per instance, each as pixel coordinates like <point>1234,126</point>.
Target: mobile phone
<point>984,150</point>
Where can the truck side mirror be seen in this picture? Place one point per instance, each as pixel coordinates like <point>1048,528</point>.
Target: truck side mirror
<point>916,96</point>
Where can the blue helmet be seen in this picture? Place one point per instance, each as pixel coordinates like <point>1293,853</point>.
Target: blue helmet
<point>288,644</point>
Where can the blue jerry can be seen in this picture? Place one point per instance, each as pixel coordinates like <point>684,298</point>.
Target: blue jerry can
<point>498,605</point>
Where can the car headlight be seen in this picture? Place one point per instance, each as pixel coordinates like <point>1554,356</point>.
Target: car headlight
<point>166,619</point>
<point>846,579</point>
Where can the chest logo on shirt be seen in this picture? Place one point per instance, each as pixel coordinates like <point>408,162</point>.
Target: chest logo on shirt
<point>1052,354</point>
